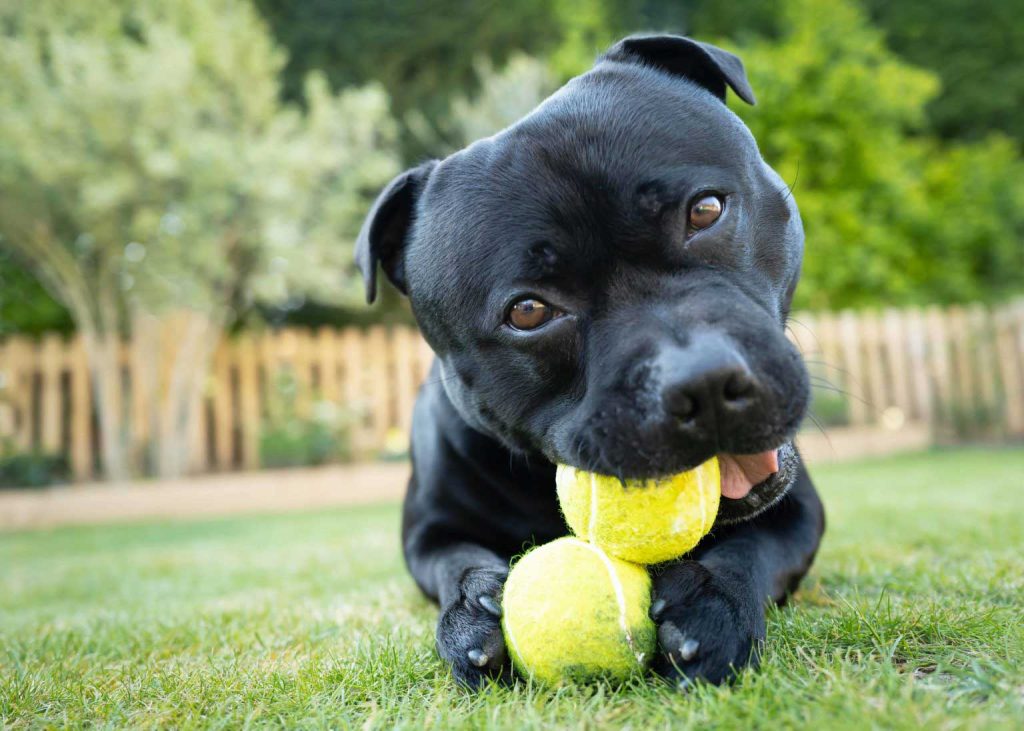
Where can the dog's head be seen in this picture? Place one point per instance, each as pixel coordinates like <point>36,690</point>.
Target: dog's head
<point>607,281</point>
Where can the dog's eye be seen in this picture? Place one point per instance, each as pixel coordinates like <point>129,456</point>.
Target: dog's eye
<point>529,314</point>
<point>705,211</point>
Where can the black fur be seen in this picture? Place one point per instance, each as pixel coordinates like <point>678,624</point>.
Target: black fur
<point>584,204</point>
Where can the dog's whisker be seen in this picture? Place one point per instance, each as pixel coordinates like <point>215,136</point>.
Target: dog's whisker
<point>842,392</point>
<point>834,367</point>
<point>810,332</point>
<point>817,423</point>
<point>790,187</point>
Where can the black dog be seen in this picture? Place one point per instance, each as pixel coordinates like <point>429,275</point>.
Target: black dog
<point>605,284</point>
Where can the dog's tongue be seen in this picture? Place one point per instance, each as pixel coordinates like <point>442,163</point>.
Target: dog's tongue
<point>740,472</point>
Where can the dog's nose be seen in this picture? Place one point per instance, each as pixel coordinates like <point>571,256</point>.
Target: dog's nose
<point>707,381</point>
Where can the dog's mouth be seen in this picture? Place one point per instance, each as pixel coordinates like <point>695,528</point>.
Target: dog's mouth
<point>741,472</point>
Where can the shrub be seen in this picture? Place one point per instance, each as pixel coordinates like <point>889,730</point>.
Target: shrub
<point>33,469</point>
<point>290,438</point>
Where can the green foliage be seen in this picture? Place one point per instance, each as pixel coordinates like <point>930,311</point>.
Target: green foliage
<point>977,49</point>
<point>289,438</point>
<point>148,166</point>
<point>505,95</point>
<point>25,305</point>
<point>891,216</point>
<point>586,29</point>
<point>32,469</point>
<point>828,407</point>
<point>147,142</point>
<point>422,53</point>
<point>738,20</point>
<point>299,444</point>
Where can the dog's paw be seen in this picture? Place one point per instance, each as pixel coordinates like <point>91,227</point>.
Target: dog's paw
<point>469,636</point>
<point>708,628</point>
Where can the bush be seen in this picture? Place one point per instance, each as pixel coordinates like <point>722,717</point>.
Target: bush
<point>891,214</point>
<point>33,469</point>
<point>302,442</point>
<point>829,409</point>
<point>291,439</point>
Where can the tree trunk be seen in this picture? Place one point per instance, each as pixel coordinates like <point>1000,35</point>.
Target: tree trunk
<point>189,354</point>
<point>103,351</point>
<point>93,305</point>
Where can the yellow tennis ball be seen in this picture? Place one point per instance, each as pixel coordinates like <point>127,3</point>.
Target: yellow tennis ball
<point>572,612</point>
<point>645,521</point>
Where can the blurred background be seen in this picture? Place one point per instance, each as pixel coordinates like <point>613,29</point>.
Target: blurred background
<point>181,183</point>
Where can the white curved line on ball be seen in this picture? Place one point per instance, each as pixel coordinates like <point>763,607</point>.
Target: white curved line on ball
<point>620,595</point>
<point>592,525</point>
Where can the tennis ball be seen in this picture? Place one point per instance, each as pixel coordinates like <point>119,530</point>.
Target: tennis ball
<point>645,521</point>
<point>572,612</point>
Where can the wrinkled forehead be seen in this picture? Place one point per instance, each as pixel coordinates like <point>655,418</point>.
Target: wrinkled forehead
<point>574,166</point>
<point>627,118</point>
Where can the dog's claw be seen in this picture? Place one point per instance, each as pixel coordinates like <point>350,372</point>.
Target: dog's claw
<point>478,657</point>
<point>487,602</point>
<point>685,685</point>
<point>657,608</point>
<point>688,650</point>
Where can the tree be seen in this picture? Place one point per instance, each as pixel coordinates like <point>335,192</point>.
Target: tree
<point>504,97</point>
<point>977,49</point>
<point>843,119</point>
<point>25,306</point>
<point>422,51</point>
<point>154,181</point>
<point>891,214</point>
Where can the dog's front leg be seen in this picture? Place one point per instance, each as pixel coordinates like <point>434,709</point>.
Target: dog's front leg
<point>471,506</point>
<point>710,606</point>
<point>466,580</point>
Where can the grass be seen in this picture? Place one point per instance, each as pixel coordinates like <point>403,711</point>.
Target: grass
<point>912,617</point>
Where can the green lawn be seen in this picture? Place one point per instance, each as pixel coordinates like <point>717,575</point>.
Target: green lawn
<point>912,618</point>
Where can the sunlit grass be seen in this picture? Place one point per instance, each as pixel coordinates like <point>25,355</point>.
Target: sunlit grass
<point>912,617</point>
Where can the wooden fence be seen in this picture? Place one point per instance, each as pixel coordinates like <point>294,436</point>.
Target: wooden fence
<point>959,371</point>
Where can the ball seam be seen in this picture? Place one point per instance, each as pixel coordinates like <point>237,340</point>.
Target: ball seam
<point>592,526</point>
<point>620,596</point>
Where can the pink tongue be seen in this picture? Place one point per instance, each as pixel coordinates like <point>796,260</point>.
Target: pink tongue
<point>740,472</point>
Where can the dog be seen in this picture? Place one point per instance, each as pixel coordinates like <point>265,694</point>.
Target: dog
<point>605,284</point>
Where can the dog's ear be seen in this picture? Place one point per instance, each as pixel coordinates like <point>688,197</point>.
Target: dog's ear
<point>702,63</point>
<point>384,232</point>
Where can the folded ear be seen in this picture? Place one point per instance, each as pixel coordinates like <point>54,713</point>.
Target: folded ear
<point>384,232</point>
<point>702,63</point>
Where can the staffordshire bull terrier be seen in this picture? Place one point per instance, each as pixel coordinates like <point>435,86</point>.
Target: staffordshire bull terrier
<point>605,284</point>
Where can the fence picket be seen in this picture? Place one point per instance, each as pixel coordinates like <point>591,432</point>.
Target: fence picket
<point>956,368</point>
<point>850,349</point>
<point>327,364</point>
<point>353,393</point>
<point>378,360</point>
<point>51,368</point>
<point>963,380</point>
<point>403,351</point>
<point>220,398</point>
<point>939,367</point>
<point>249,401</point>
<point>981,341</point>
<point>917,364</point>
<point>1010,350</point>
<point>19,370</point>
<point>878,395</point>
<point>895,349</point>
<point>80,427</point>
